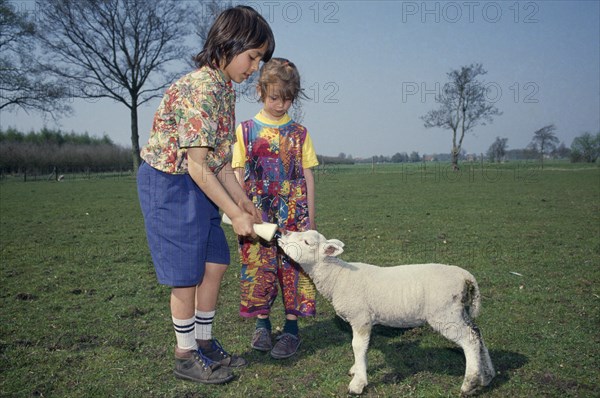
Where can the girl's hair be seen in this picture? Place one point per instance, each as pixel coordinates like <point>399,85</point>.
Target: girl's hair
<point>235,30</point>
<point>284,72</point>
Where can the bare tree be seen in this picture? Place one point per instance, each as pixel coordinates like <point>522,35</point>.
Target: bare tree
<point>544,141</point>
<point>562,151</point>
<point>414,157</point>
<point>206,13</point>
<point>116,49</point>
<point>497,150</point>
<point>586,148</point>
<point>463,106</point>
<point>22,84</point>
<point>297,111</point>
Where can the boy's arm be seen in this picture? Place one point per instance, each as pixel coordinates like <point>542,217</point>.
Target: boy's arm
<point>208,182</point>
<point>229,179</point>
<point>310,196</point>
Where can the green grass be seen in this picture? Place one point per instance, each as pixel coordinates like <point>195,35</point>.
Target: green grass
<point>83,315</point>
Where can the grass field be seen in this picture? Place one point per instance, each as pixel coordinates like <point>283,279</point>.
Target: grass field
<point>83,316</point>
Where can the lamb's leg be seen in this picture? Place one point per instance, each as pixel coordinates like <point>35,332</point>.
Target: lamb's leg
<point>479,370</point>
<point>487,368</point>
<point>360,344</point>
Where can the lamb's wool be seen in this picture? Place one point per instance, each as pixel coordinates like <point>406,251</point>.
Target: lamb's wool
<point>444,296</point>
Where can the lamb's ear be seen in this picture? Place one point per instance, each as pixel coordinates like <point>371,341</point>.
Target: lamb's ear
<point>338,242</point>
<point>333,248</point>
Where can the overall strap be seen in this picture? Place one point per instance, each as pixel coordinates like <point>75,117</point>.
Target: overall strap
<point>246,124</point>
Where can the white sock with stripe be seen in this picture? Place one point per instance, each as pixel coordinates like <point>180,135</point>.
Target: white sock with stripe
<point>185,333</point>
<point>204,321</point>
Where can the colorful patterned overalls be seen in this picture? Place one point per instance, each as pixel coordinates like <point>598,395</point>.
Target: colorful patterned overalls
<point>274,181</point>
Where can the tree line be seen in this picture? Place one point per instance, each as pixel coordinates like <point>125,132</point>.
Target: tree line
<point>53,152</point>
<point>544,145</point>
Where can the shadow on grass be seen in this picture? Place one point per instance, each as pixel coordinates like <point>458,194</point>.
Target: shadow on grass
<point>316,335</point>
<point>402,349</point>
<point>409,357</point>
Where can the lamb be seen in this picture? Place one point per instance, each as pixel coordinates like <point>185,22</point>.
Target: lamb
<point>444,296</point>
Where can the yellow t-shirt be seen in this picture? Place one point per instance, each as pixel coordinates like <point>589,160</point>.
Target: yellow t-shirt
<point>309,156</point>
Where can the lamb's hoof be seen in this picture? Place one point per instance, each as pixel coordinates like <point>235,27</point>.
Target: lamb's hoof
<point>469,393</point>
<point>474,386</point>
<point>486,379</point>
<point>356,386</point>
<point>470,388</point>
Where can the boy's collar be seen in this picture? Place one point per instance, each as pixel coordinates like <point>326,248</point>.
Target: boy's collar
<point>219,76</point>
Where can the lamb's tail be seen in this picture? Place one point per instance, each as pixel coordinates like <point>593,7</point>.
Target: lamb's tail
<point>472,297</point>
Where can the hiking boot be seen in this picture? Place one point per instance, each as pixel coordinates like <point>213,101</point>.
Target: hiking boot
<point>218,354</point>
<point>261,340</point>
<point>196,367</point>
<point>286,346</point>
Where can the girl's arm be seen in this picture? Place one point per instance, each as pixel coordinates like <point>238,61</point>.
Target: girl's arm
<point>310,196</point>
<point>229,180</point>
<point>209,184</point>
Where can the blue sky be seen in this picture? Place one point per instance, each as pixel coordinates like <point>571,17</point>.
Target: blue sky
<point>372,68</point>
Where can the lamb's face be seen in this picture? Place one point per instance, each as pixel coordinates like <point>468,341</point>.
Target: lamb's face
<point>309,247</point>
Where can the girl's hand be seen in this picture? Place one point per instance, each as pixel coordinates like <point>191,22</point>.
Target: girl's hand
<point>249,208</point>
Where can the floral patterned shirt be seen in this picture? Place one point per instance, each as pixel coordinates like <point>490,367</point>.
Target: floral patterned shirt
<point>198,110</point>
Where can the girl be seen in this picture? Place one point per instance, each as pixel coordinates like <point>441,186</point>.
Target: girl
<point>272,158</point>
<point>187,177</point>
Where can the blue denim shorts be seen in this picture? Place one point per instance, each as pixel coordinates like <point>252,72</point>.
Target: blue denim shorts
<point>183,227</point>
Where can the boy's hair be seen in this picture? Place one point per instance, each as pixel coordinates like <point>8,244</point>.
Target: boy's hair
<point>284,72</point>
<point>235,30</point>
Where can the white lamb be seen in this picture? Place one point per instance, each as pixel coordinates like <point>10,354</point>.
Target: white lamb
<point>446,297</point>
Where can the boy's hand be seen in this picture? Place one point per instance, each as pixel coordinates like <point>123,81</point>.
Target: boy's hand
<point>243,225</point>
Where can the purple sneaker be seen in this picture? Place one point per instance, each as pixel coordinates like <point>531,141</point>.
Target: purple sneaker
<point>261,340</point>
<point>286,346</point>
